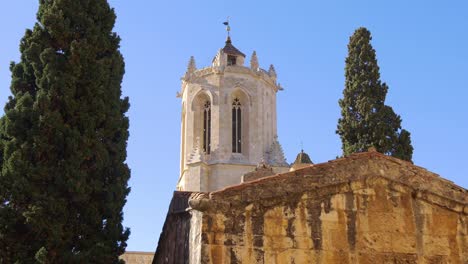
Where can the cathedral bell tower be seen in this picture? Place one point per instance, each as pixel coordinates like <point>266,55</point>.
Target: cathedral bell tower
<point>228,121</point>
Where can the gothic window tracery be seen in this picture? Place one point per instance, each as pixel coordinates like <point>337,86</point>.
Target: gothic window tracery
<point>236,126</point>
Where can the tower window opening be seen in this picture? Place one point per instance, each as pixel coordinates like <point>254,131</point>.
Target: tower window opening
<point>236,126</point>
<point>207,127</point>
<point>231,60</point>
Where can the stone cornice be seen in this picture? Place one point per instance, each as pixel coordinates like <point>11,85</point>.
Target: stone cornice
<point>258,74</point>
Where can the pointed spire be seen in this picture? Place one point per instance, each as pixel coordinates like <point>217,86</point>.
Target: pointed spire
<point>191,65</point>
<point>272,72</point>
<point>191,68</point>
<point>254,61</point>
<point>275,155</point>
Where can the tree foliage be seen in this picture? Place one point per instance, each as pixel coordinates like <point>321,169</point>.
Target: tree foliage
<point>365,119</point>
<point>63,182</point>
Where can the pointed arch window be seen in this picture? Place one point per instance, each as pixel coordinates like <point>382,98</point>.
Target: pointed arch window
<point>236,126</point>
<point>207,127</point>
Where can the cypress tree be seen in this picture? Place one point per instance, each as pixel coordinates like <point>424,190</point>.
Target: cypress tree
<point>63,182</point>
<point>365,119</point>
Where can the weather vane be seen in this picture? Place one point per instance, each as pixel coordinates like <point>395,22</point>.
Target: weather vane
<point>228,28</point>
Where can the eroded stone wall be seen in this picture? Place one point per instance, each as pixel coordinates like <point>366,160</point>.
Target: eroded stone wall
<point>364,208</point>
<point>371,221</point>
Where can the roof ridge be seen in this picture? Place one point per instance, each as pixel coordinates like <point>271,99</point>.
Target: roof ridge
<point>415,176</point>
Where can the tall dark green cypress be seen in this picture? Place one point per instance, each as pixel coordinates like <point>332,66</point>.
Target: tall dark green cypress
<point>365,119</point>
<point>63,182</point>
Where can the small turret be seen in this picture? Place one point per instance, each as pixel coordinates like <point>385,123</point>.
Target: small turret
<point>234,56</point>
<point>302,160</point>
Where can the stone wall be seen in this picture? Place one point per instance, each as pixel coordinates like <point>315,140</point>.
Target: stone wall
<point>373,222</point>
<point>361,209</point>
<point>365,208</point>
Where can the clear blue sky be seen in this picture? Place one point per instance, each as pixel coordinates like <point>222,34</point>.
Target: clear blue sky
<point>422,49</point>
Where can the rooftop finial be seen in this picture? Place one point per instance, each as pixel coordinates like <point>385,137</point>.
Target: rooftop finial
<point>228,28</point>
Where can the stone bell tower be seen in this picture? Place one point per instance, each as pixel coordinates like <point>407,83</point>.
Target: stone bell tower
<point>228,121</point>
